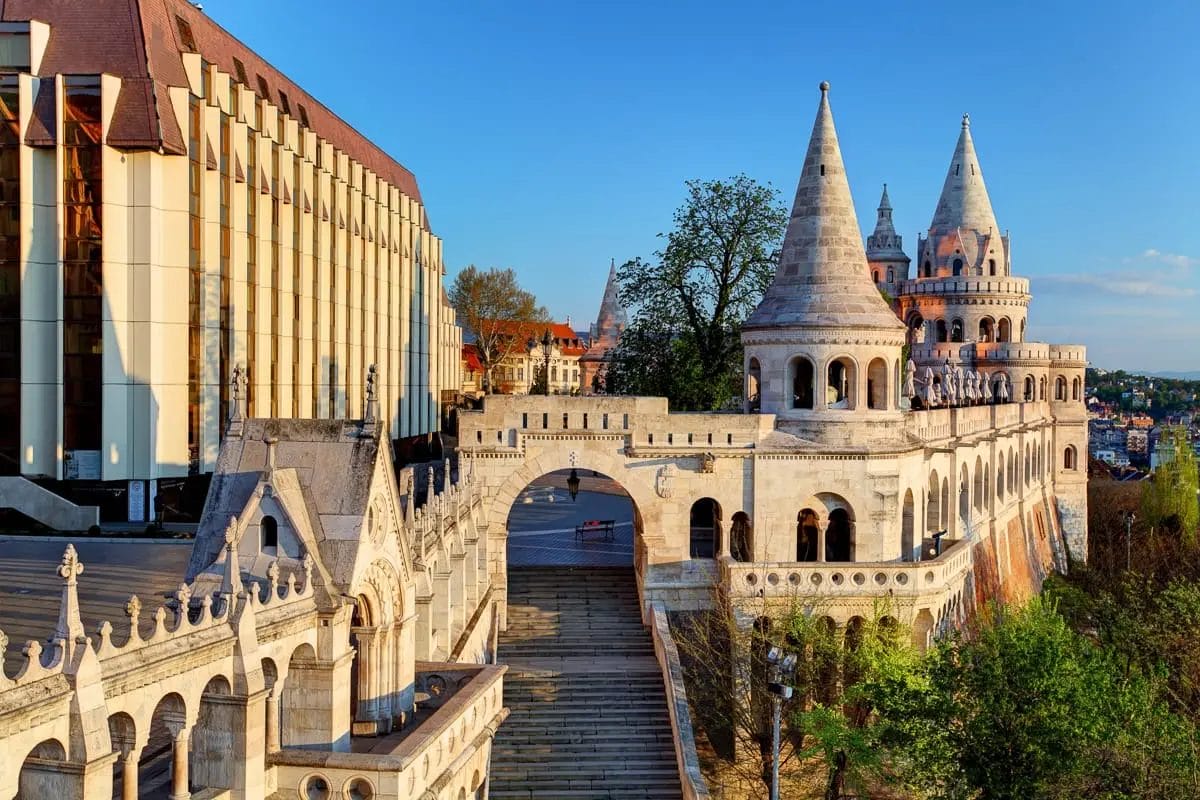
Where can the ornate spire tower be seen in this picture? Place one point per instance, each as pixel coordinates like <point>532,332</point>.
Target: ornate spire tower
<point>964,290</point>
<point>885,252</point>
<point>822,350</point>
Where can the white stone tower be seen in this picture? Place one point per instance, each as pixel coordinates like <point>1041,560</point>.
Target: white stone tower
<point>822,350</point>
<point>885,251</point>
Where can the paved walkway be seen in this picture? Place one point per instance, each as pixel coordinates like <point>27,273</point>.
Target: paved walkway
<point>541,525</point>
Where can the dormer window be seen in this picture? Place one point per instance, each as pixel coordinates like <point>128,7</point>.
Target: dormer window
<point>185,34</point>
<point>270,532</point>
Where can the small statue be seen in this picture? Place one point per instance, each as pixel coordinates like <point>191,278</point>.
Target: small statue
<point>910,384</point>
<point>985,382</point>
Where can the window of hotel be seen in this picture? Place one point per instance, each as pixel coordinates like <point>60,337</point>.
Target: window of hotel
<point>82,265</point>
<point>239,69</point>
<point>334,296</point>
<point>316,285</point>
<point>284,104</point>
<point>185,34</point>
<point>264,91</point>
<point>14,49</point>
<point>10,275</point>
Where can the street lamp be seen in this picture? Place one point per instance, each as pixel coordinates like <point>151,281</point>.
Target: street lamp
<point>1129,518</point>
<point>547,343</point>
<point>573,484</point>
<point>781,666</point>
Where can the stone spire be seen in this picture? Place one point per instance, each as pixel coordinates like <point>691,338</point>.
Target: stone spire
<point>964,203</point>
<point>964,225</point>
<point>822,279</point>
<point>885,244</point>
<point>69,626</point>
<point>611,313</point>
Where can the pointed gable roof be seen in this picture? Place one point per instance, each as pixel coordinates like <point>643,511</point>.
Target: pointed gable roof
<point>964,203</point>
<point>822,279</point>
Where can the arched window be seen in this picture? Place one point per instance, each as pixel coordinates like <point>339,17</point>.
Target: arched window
<point>1005,330</point>
<point>1013,471</point>
<point>928,270</point>
<point>705,530</point>
<point>1075,388</point>
<point>1000,477</point>
<point>945,503</point>
<point>801,380</point>
<point>1060,388</point>
<point>1028,466</point>
<point>941,330</point>
<point>933,511</point>
<point>270,532</point>
<point>891,275</point>
<point>906,528</point>
<point>958,267</point>
<point>986,329</point>
<point>840,384</point>
<point>1022,331</point>
<point>875,275</point>
<point>1069,457</point>
<point>753,386</point>
<point>1029,389</point>
<point>839,536</point>
<point>980,476</point>
<point>741,543</point>
<point>956,330</point>
<point>964,494</point>
<point>877,390</point>
<point>808,526</point>
<point>991,266</point>
<point>1042,388</point>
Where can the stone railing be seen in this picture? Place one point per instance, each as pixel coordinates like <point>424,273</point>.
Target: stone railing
<point>990,284</point>
<point>435,758</point>
<point>900,579</point>
<point>690,776</point>
<point>946,423</point>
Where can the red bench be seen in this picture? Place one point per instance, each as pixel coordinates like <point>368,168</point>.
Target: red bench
<point>600,527</point>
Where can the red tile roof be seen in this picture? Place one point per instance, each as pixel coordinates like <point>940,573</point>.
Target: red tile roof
<point>139,42</point>
<point>471,356</point>
<point>567,339</point>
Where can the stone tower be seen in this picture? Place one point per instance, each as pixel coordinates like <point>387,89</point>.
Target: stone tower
<point>885,251</point>
<point>605,335</point>
<point>822,350</point>
<point>964,290</point>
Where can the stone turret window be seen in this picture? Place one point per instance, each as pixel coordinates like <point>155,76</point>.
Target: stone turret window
<point>891,275</point>
<point>754,387</point>
<point>956,330</point>
<point>801,380</point>
<point>1060,388</point>
<point>991,266</point>
<point>1005,333</point>
<point>822,170</point>
<point>958,267</point>
<point>877,390</point>
<point>941,331</point>
<point>1069,458</point>
<point>270,532</point>
<point>840,384</point>
<point>928,270</point>
<point>986,329</point>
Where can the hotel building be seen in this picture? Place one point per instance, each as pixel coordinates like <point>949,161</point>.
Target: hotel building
<point>172,207</point>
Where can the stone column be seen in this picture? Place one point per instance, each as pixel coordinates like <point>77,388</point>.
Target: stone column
<point>459,613</point>
<point>129,774</point>
<point>179,766</point>
<point>820,541</point>
<point>441,614</point>
<point>272,715</point>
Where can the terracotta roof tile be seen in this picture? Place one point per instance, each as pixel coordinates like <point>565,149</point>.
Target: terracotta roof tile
<point>139,42</point>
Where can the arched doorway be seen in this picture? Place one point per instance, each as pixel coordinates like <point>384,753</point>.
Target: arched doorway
<point>906,528</point>
<point>571,517</point>
<point>933,509</point>
<point>214,740</point>
<point>704,528</point>
<point>800,380</point>
<point>807,535</point>
<point>839,536</point>
<point>753,386</point>
<point>741,538</point>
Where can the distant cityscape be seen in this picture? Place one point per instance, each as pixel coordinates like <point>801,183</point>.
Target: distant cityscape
<point>1128,412</point>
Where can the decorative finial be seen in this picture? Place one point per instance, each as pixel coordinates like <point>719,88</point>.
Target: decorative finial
<point>824,87</point>
<point>270,442</point>
<point>71,567</point>
<point>966,120</point>
<point>231,533</point>
<point>184,595</point>
<point>307,566</point>
<point>371,412</point>
<point>231,580</point>
<point>133,609</point>
<point>70,626</point>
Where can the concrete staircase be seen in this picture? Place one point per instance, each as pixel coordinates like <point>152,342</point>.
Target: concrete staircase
<point>588,715</point>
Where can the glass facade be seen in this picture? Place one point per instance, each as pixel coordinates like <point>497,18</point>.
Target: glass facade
<point>252,179</point>
<point>225,338</point>
<point>275,288</point>
<point>297,283</point>
<point>10,276</point>
<point>82,267</point>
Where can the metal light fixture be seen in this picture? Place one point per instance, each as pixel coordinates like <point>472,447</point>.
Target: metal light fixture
<point>781,665</point>
<point>573,484</point>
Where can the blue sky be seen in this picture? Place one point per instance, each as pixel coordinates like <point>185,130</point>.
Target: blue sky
<point>553,136</point>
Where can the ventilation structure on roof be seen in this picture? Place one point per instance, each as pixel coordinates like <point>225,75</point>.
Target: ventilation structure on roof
<point>264,91</point>
<point>284,104</point>
<point>240,69</point>
<point>185,34</point>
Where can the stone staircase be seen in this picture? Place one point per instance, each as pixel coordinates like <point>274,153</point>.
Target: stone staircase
<point>589,716</point>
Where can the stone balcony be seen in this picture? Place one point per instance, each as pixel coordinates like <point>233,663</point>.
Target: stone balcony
<point>850,587</point>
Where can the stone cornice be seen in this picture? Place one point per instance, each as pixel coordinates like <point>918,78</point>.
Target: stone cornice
<point>827,336</point>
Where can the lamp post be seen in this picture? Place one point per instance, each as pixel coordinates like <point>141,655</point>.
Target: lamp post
<point>573,484</point>
<point>547,344</point>
<point>781,666</point>
<point>1129,518</point>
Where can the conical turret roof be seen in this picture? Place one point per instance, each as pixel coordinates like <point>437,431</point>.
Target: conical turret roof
<point>964,204</point>
<point>611,312</point>
<point>884,244</point>
<point>822,279</point>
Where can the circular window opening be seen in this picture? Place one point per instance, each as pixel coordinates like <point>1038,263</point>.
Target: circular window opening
<point>360,789</point>
<point>859,578</point>
<point>317,788</point>
<point>773,579</point>
<point>837,578</point>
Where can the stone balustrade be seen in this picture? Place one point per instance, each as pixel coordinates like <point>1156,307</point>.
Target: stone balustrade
<point>899,579</point>
<point>946,423</point>
<point>966,285</point>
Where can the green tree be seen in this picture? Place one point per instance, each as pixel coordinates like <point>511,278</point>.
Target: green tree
<point>1171,499</point>
<point>494,309</point>
<point>690,300</point>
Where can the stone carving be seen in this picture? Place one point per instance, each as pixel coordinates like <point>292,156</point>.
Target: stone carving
<point>664,483</point>
<point>708,463</point>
